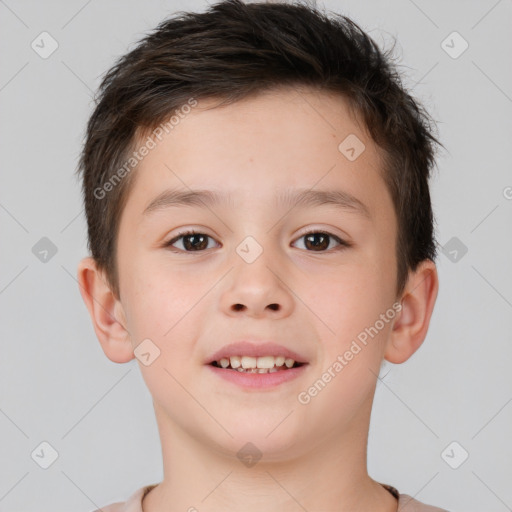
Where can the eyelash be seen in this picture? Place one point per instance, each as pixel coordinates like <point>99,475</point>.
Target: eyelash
<point>342,243</point>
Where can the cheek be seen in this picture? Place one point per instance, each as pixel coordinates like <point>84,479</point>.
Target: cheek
<point>348,305</point>
<point>345,294</point>
<point>157,304</point>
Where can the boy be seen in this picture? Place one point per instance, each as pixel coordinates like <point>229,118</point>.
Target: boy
<point>256,190</point>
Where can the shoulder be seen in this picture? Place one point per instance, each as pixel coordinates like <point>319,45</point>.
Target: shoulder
<point>113,507</point>
<point>132,504</point>
<point>407,503</point>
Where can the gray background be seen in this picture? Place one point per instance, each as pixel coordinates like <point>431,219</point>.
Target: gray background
<point>56,385</point>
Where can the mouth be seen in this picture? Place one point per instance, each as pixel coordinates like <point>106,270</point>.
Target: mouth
<point>257,374</point>
<point>256,366</point>
<point>260,365</point>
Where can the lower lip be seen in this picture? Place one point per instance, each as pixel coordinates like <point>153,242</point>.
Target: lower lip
<point>258,380</point>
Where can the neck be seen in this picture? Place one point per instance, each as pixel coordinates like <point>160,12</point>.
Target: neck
<point>330,474</point>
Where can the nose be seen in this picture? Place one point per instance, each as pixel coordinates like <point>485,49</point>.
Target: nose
<point>256,290</point>
<point>242,307</point>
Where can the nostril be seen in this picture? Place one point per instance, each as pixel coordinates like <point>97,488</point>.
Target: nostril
<point>274,306</point>
<point>238,307</point>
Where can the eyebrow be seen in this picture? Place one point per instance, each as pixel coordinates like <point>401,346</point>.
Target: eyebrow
<point>289,198</point>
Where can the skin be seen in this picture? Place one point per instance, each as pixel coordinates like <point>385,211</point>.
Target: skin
<point>314,455</point>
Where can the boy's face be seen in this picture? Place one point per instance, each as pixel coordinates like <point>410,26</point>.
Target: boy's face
<point>309,294</point>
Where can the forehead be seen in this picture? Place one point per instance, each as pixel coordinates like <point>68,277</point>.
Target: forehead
<point>262,149</point>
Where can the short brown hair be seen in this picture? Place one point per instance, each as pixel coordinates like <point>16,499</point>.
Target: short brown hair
<point>232,51</point>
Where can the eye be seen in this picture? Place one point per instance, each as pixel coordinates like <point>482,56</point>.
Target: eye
<point>320,241</point>
<point>317,241</point>
<point>192,241</point>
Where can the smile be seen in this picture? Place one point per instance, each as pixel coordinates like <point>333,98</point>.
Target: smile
<point>257,373</point>
<point>264,364</point>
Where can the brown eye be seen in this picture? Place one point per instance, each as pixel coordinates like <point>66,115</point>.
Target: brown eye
<point>320,241</point>
<point>316,241</point>
<point>191,241</point>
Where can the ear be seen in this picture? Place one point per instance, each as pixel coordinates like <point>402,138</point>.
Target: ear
<point>411,326</point>
<point>107,313</point>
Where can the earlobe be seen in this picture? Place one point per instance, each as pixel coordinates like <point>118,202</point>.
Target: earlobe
<point>107,313</point>
<point>418,300</point>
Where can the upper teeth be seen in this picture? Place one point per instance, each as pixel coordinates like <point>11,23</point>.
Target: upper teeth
<point>256,362</point>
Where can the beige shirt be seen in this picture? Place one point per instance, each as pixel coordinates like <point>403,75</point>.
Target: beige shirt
<point>134,502</point>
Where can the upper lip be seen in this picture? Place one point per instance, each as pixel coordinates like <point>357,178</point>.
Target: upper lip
<point>246,348</point>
